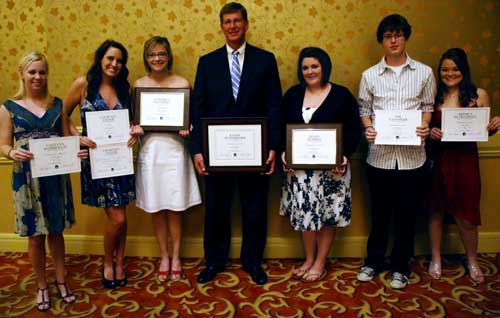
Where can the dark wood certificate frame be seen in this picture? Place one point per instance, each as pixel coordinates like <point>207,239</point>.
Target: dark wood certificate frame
<point>261,121</point>
<point>289,143</point>
<point>137,108</point>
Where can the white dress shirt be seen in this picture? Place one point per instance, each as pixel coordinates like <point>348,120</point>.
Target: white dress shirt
<point>241,56</point>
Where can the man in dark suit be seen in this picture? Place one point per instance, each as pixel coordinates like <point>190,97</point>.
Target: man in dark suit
<point>236,80</point>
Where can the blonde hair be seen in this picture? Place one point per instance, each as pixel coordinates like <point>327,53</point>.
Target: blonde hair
<point>152,42</point>
<point>23,64</point>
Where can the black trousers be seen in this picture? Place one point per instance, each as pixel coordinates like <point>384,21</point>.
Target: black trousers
<point>395,195</point>
<point>219,191</point>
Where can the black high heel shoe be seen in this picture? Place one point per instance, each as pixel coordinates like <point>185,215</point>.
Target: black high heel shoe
<point>68,296</point>
<point>108,283</point>
<point>121,282</point>
<point>44,304</point>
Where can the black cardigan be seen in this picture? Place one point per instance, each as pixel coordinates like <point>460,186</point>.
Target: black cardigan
<point>339,106</point>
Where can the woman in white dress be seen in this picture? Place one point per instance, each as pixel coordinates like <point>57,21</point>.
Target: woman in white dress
<point>165,180</point>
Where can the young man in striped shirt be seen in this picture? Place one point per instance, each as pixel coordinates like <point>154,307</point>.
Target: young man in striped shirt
<point>394,172</point>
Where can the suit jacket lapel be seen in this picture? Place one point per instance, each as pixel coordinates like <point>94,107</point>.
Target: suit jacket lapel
<point>248,62</point>
<point>225,71</point>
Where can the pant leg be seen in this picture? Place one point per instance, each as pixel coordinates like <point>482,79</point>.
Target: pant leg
<point>254,196</point>
<point>407,201</point>
<point>219,189</point>
<point>381,185</point>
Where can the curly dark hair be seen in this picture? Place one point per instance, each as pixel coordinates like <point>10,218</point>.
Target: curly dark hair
<point>468,91</point>
<point>120,82</point>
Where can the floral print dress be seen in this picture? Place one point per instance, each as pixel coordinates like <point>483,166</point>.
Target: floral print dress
<point>316,198</point>
<point>106,192</point>
<point>41,205</point>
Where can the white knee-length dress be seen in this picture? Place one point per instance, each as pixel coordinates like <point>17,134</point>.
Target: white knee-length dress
<point>165,177</point>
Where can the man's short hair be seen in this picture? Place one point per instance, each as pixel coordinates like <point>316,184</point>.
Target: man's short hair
<point>232,7</point>
<point>393,23</point>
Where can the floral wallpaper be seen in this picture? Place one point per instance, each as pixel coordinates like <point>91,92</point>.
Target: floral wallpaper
<point>69,31</point>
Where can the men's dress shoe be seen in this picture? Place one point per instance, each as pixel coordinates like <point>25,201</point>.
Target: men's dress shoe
<point>209,273</point>
<point>256,273</point>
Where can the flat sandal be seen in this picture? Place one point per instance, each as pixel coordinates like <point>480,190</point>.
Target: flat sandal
<point>317,276</point>
<point>298,273</point>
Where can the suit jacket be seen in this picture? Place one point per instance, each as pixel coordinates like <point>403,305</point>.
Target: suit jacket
<point>259,92</point>
<point>339,106</point>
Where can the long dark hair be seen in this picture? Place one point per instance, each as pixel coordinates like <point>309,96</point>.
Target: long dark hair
<point>120,82</point>
<point>467,90</point>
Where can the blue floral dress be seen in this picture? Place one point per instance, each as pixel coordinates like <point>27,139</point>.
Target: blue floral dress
<point>106,192</point>
<point>41,205</point>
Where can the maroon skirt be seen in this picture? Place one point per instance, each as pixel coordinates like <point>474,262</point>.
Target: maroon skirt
<point>456,182</point>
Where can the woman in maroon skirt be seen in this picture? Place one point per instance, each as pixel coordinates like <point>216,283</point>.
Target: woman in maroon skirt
<point>456,183</point>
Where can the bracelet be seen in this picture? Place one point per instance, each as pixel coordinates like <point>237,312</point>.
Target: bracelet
<point>8,154</point>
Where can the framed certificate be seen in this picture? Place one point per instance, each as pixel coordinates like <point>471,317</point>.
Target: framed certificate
<point>465,123</point>
<point>313,146</point>
<point>54,156</point>
<point>111,160</point>
<point>235,144</point>
<point>108,126</point>
<point>397,127</point>
<point>162,109</point>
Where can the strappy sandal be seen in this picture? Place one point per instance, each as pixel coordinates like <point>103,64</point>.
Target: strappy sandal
<point>163,275</point>
<point>179,275</point>
<point>475,273</point>
<point>316,276</point>
<point>435,270</point>
<point>176,274</point>
<point>43,305</point>
<point>68,297</point>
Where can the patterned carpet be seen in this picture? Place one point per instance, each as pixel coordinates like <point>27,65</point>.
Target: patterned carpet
<point>232,294</point>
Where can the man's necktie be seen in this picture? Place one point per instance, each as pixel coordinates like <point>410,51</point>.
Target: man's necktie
<point>235,74</point>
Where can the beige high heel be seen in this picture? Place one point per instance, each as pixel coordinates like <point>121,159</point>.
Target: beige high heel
<point>475,273</point>
<point>435,270</point>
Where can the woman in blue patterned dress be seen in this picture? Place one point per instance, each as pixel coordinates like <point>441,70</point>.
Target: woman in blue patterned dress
<point>105,87</point>
<point>318,201</point>
<point>43,206</point>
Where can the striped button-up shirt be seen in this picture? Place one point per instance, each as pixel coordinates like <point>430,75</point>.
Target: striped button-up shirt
<point>382,89</point>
